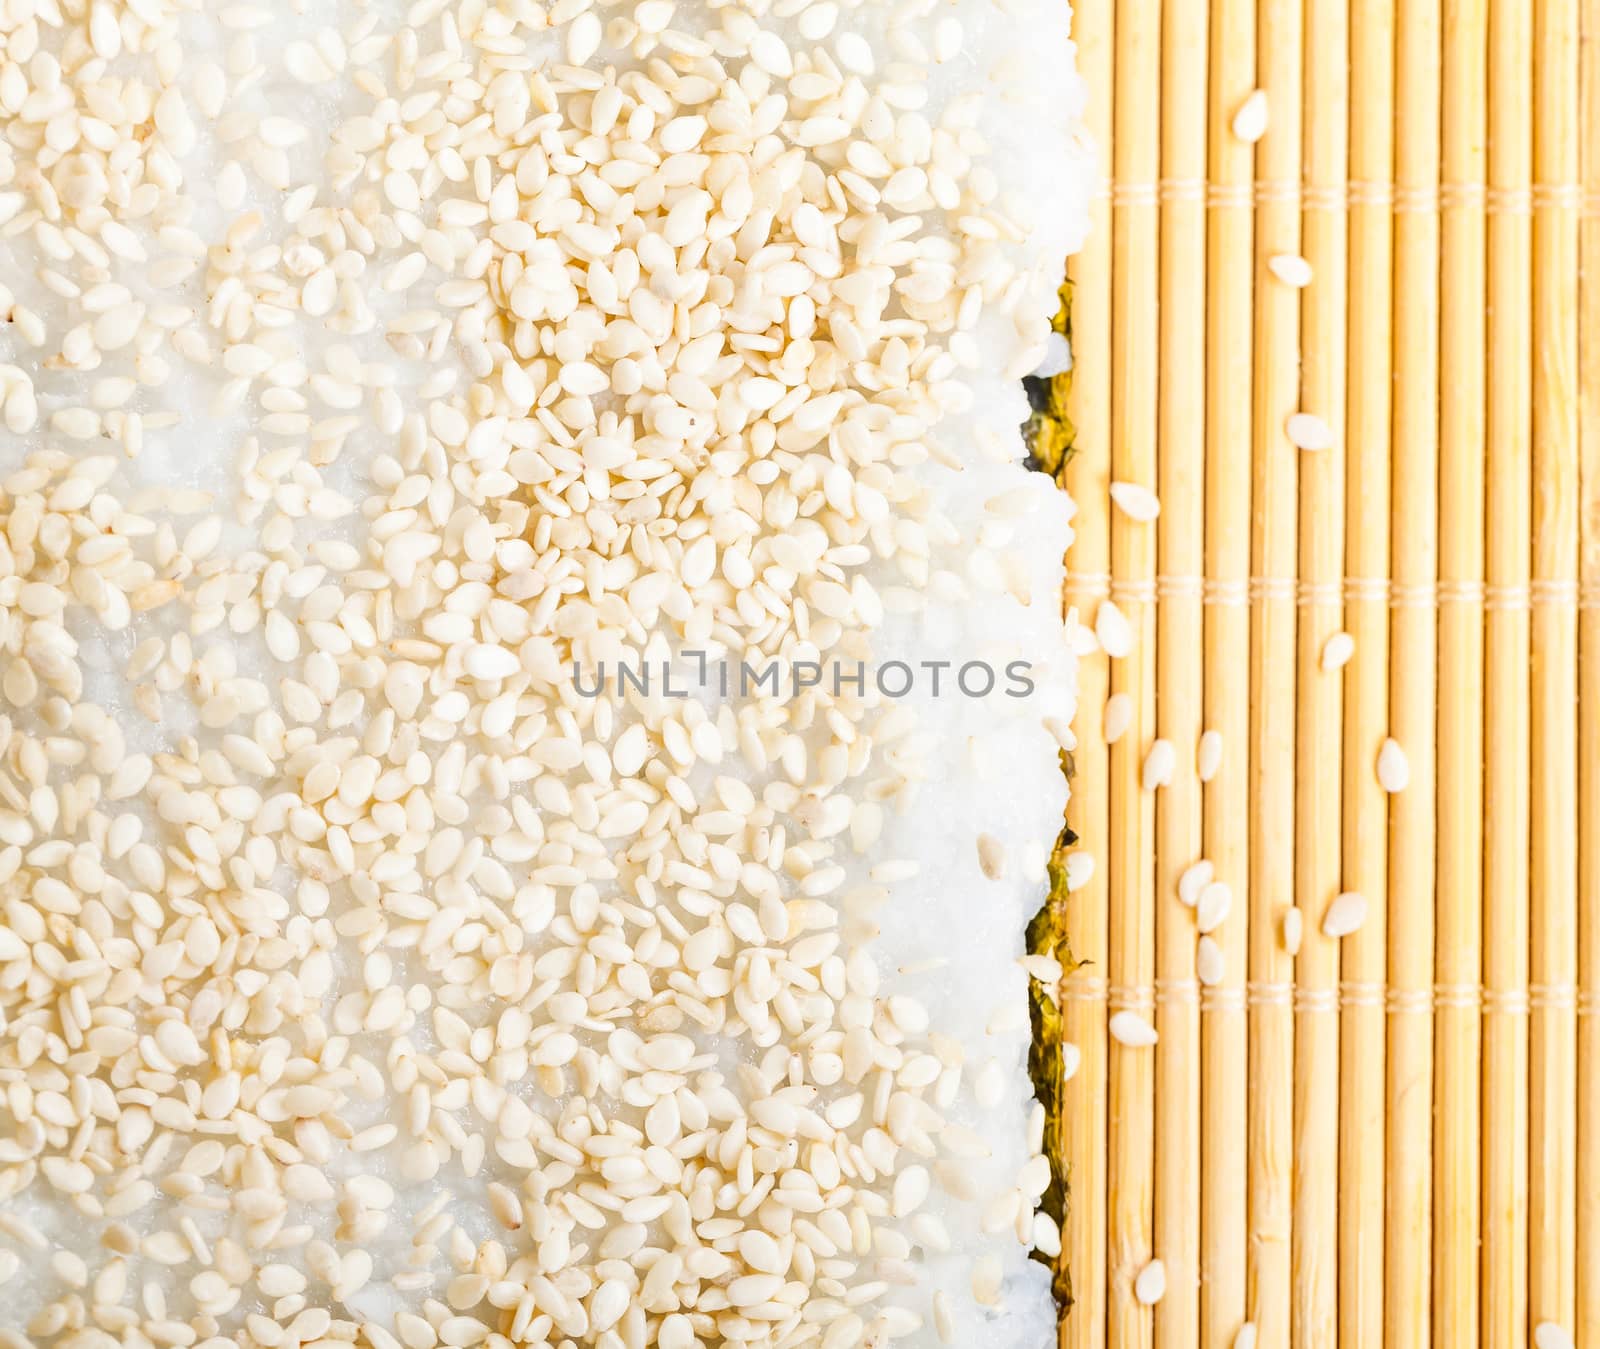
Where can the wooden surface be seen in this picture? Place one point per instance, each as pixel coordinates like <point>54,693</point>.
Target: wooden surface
<point>1389,1137</point>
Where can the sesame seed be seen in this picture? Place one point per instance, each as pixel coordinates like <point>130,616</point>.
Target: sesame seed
<point>1113,631</point>
<point>1250,118</point>
<point>1550,1335</point>
<point>1344,915</point>
<point>1194,879</point>
<point>1213,906</point>
<point>991,857</point>
<point>1150,1286</point>
<point>1118,716</point>
<point>1394,768</point>
<point>1337,651</point>
<point>1293,930</point>
<point>1046,969</point>
<point>1306,431</point>
<point>1131,1029</point>
<point>1071,1059</point>
<point>1136,502</point>
<point>1159,765</point>
<point>1291,269</point>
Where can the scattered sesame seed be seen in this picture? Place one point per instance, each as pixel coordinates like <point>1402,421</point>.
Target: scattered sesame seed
<point>1151,1284</point>
<point>1118,716</point>
<point>1345,915</point>
<point>1213,906</point>
<point>1046,969</point>
<point>1136,502</point>
<point>1337,650</point>
<point>1293,930</point>
<point>1307,431</point>
<point>1131,1029</point>
<point>1550,1335</point>
<point>1291,269</point>
<point>534,360</point>
<point>1250,119</point>
<point>1114,632</point>
<point>1057,357</point>
<point>1195,878</point>
<point>991,857</point>
<point>1159,765</point>
<point>1394,768</point>
<point>1071,1059</point>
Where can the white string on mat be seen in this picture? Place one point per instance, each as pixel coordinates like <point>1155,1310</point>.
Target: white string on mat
<point>1131,998</point>
<point>1558,196</point>
<point>1236,592</point>
<point>1553,997</point>
<point>1222,998</point>
<point>1180,587</point>
<point>1460,592</point>
<point>1134,194</point>
<point>1277,190</point>
<point>1508,598</point>
<point>1409,1001</point>
<point>1505,1002</point>
<point>1085,988</point>
<point>1314,593</point>
<point>1416,199</point>
<point>1366,589</point>
<point>1510,200</point>
<point>1229,196</point>
<point>1350,993</point>
<point>1184,992</point>
<point>1353,994</point>
<point>1463,196</point>
<point>1316,999</point>
<point>1324,197</point>
<point>1403,198</point>
<point>1371,192</point>
<point>1413,594</point>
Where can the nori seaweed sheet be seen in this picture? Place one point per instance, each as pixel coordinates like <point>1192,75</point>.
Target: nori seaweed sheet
<point>1048,433</point>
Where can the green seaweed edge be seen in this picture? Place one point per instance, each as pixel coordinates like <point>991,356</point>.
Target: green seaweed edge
<point>1049,435</point>
<point>1048,432</point>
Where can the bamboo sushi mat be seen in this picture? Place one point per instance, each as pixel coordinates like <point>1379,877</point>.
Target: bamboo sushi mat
<point>1391,1138</point>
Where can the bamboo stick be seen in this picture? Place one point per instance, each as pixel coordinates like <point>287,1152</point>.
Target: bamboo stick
<point>1506,832</point>
<point>1365,811</point>
<point>1552,1116</point>
<point>1088,480</point>
<point>1323,312</point>
<point>1586,1316</point>
<point>1458,965</point>
<point>1586,1319</point>
<point>1135,229</point>
<point>1224,1044</point>
<point>1181,545</point>
<point>1412,654</point>
<point>1272,664</point>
